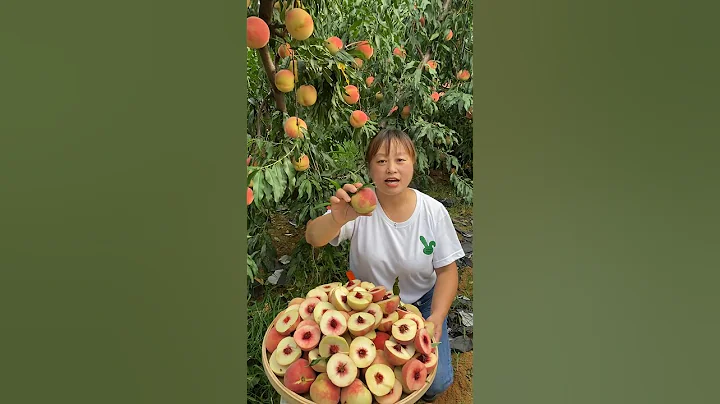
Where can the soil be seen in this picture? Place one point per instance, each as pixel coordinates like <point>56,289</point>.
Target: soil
<point>285,236</point>
<point>461,391</point>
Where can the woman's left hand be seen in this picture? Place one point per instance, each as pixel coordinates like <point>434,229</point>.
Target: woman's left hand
<point>437,322</point>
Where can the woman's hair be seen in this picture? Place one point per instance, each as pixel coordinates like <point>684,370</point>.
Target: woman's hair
<point>386,137</point>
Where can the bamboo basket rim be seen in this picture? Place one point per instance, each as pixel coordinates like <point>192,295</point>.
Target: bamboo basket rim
<point>294,398</point>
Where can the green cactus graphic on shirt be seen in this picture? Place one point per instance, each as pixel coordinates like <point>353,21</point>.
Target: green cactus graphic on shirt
<point>428,247</point>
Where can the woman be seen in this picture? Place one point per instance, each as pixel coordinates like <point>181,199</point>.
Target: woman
<point>408,236</point>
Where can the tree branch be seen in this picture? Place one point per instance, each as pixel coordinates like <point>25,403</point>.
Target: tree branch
<point>266,7</point>
<point>446,9</point>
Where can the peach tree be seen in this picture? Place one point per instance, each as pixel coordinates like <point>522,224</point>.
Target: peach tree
<point>325,76</point>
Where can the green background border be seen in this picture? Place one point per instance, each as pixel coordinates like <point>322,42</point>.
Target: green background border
<point>123,216</point>
<point>596,153</point>
<point>123,202</point>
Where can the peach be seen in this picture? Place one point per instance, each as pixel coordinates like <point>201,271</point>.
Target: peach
<point>356,393</point>
<point>364,201</point>
<point>398,377</point>
<point>393,396</point>
<point>273,339</point>
<point>365,48</point>
<point>390,304</point>
<point>463,75</point>
<point>414,374</point>
<point>432,64</point>
<point>307,337</point>
<point>429,360</point>
<point>370,334</point>
<point>285,50</point>
<point>328,287</point>
<point>358,119</point>
<point>250,196</point>
<point>351,95</point>
<point>380,338</point>
<point>302,165</point>
<point>412,309</point>
<point>288,322</point>
<point>422,21</point>
<point>307,321</point>
<point>258,33</point>
<point>338,298</point>
<point>306,95</point>
<point>369,81</point>
<point>448,35</point>
<point>358,63</point>
<point>423,343</point>
<point>317,293</point>
<point>300,376</point>
<point>352,284</point>
<point>362,352</point>
<point>284,80</point>
<point>387,321</point>
<point>405,112</point>
<point>320,364</point>
<point>322,391</point>
<point>359,300</point>
<point>417,319</point>
<point>398,354</point>
<point>287,351</point>
<point>379,96</point>
<point>341,370</point>
<point>399,52</point>
<point>295,300</point>
<point>320,309</point>
<point>380,379</point>
<point>299,23</point>
<point>277,368</point>
<point>307,307</point>
<point>332,344</point>
<point>367,285</point>
<point>404,330</point>
<point>375,310</point>
<point>378,293</point>
<point>292,127</point>
<point>361,323</point>
<point>333,323</point>
<point>468,114</point>
<point>333,44</point>
<point>435,96</point>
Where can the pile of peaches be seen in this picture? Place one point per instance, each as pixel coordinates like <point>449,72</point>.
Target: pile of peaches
<point>351,343</point>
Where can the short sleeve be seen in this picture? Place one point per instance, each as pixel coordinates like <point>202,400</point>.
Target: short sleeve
<point>345,232</point>
<point>447,245</point>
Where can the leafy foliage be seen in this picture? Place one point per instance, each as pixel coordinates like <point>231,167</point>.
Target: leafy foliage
<point>441,128</point>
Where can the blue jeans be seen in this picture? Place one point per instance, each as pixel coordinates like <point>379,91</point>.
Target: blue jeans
<point>444,376</point>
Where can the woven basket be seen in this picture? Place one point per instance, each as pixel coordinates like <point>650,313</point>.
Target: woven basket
<point>294,398</point>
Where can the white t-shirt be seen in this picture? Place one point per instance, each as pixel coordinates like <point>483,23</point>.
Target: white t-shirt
<point>381,250</point>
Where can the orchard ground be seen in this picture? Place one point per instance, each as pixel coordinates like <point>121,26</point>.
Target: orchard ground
<point>266,299</point>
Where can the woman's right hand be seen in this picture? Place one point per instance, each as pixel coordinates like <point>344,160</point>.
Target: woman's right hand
<point>341,210</point>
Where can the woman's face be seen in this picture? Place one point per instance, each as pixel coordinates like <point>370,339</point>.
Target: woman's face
<point>391,172</point>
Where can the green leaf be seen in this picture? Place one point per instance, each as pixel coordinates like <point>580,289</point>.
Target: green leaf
<point>279,182</point>
<point>290,172</point>
<point>259,187</point>
<point>318,360</point>
<point>435,35</point>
